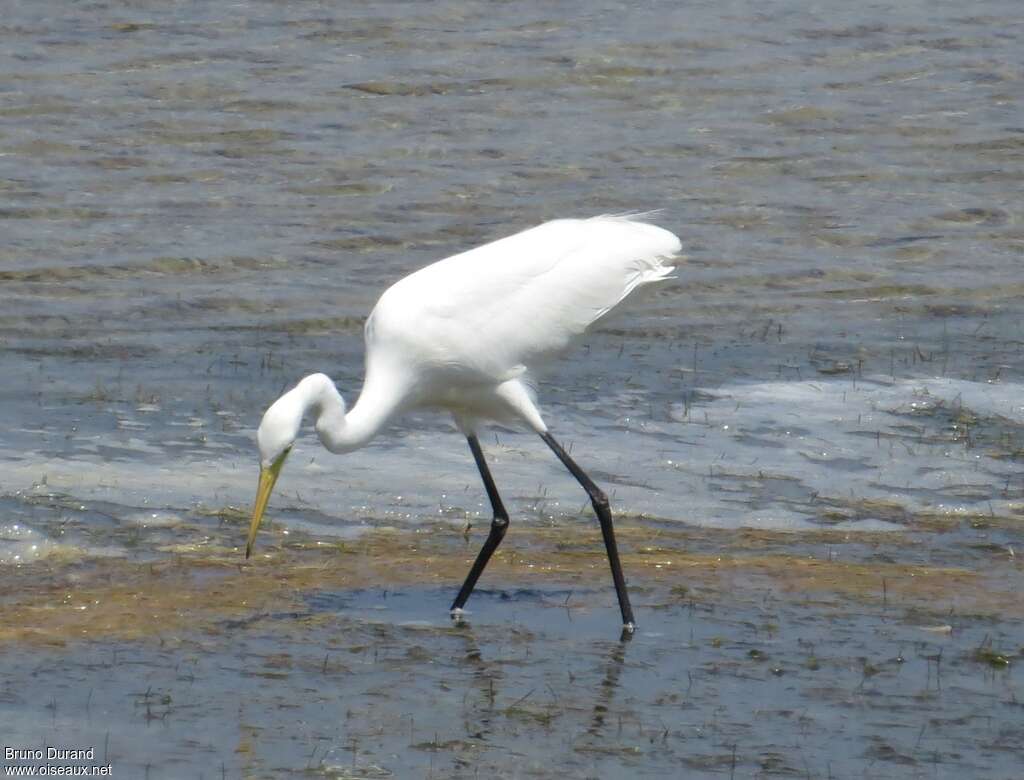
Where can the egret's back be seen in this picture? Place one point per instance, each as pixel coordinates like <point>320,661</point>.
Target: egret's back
<point>494,311</point>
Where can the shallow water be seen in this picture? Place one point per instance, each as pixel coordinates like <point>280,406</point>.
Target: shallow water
<point>200,204</point>
<point>375,683</point>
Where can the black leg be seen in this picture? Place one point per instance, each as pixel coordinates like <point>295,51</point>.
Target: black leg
<point>604,515</point>
<point>498,527</point>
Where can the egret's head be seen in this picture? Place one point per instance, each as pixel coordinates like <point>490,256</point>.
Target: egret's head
<point>279,427</point>
<point>275,436</point>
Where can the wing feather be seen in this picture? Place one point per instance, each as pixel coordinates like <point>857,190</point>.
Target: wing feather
<point>498,308</point>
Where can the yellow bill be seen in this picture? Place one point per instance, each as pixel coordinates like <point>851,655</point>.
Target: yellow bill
<point>268,476</point>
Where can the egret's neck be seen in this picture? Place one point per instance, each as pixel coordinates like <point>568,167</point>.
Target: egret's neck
<point>341,432</point>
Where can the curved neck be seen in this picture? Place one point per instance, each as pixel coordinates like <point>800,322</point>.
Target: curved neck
<point>341,432</point>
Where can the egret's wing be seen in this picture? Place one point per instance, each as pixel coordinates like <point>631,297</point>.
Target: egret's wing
<point>496,308</point>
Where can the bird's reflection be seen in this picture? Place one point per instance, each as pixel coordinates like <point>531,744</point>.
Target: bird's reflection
<point>610,684</point>
<point>488,676</point>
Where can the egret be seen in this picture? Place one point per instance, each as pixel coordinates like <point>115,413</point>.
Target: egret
<point>467,334</point>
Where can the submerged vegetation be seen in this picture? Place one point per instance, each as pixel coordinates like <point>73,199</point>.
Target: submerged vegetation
<point>198,585</point>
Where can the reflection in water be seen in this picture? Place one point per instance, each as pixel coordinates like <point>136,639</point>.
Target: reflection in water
<point>610,683</point>
<point>485,676</point>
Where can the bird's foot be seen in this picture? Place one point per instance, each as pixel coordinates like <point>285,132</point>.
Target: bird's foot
<point>458,615</point>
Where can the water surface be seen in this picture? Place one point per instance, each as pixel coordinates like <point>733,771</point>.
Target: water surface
<point>201,203</point>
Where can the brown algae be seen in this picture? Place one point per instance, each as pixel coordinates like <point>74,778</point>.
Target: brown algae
<point>201,585</point>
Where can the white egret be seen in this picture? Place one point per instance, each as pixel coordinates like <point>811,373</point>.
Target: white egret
<point>467,334</point>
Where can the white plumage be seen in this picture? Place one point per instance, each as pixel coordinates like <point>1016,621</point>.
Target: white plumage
<point>453,332</point>
<point>464,333</point>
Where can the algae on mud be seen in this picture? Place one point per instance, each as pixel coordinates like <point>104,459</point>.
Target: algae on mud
<point>197,587</point>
